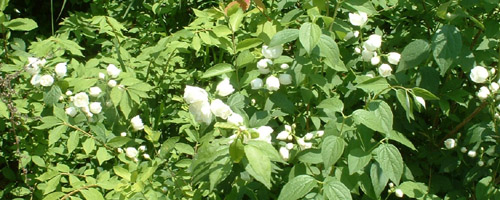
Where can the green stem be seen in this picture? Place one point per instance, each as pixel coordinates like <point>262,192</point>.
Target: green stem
<point>335,12</point>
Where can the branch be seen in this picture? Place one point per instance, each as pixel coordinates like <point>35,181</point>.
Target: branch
<point>465,121</point>
<point>78,190</point>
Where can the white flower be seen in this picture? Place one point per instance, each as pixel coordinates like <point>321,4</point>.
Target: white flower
<point>34,65</point>
<point>61,70</point>
<point>303,144</point>
<point>195,94</point>
<point>284,66</point>
<point>285,154</point>
<point>289,146</point>
<point>123,134</point>
<point>375,60</point>
<point>224,88</point>
<point>71,111</point>
<point>87,112</point>
<point>272,52</point>
<point>494,87</point>
<point>220,109</point>
<point>283,135</point>
<point>479,74</point>
<point>399,193</point>
<point>201,111</point>
<point>142,148</point>
<point>112,83</point>
<point>357,50</point>
<point>95,107</point>
<point>493,71</point>
<point>480,163</point>
<point>308,136</point>
<point>131,152</point>
<point>35,80</point>
<point>69,93</point>
<point>450,143</point>
<point>420,100</point>
<point>256,83</point>
<point>137,123</point>
<point>113,71</point>
<point>320,133</point>
<point>272,83</point>
<point>483,93</point>
<point>358,19</point>
<point>373,43</point>
<point>263,65</point>
<point>95,91</point>
<point>385,70</point>
<point>81,100</point>
<point>367,55</point>
<point>349,35</point>
<point>463,149</point>
<point>146,156</point>
<point>264,133</point>
<point>102,76</point>
<point>288,128</point>
<point>235,119</point>
<point>285,79</point>
<point>120,150</point>
<point>393,58</point>
<point>46,80</point>
<point>471,153</point>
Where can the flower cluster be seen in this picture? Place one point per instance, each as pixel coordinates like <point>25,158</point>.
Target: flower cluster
<point>287,135</point>
<point>265,66</point>
<point>133,153</point>
<point>34,67</point>
<point>479,74</point>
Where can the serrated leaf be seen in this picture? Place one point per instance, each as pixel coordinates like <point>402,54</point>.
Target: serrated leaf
<point>333,104</point>
<point>52,96</point>
<point>357,160</point>
<point>416,189</point>
<point>335,189</point>
<point>378,117</point>
<point>309,35</point>
<point>122,172</point>
<point>330,50</point>
<point>88,145</point>
<point>297,187</point>
<point>52,184</point>
<point>446,46</point>
<point>220,169</point>
<point>378,178</point>
<point>390,160</point>
<point>73,141</point>
<point>267,149</point>
<point>218,69</point>
<point>55,134</point>
<point>332,149</point>
<point>260,164</point>
<point>284,36</point>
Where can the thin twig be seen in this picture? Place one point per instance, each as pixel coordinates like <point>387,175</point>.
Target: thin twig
<point>78,190</point>
<point>464,122</point>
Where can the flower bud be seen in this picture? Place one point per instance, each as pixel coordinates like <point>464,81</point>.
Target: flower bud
<point>235,119</point>
<point>320,133</point>
<point>220,109</point>
<point>399,193</point>
<point>357,50</point>
<point>95,107</point>
<point>137,123</point>
<point>367,55</point>
<point>375,60</point>
<point>308,136</point>
<point>256,83</point>
<point>120,150</point>
<point>483,93</point>
<point>358,19</point>
<point>71,111</point>
<point>373,43</point>
<point>123,134</point>
<point>131,152</point>
<point>272,52</point>
<point>393,58</point>
<point>272,83</point>
<point>69,93</point>
<point>471,153</point>
<point>289,146</point>
<point>112,83</point>
<point>61,70</point>
<point>46,80</point>
<point>283,135</point>
<point>102,76</point>
<point>146,156</point>
<point>480,163</point>
<point>284,66</point>
<point>385,70</point>
<point>463,149</point>
<point>450,143</point>
<point>81,100</point>
<point>113,71</point>
<point>94,91</point>
<point>494,87</point>
<point>142,148</point>
<point>285,154</point>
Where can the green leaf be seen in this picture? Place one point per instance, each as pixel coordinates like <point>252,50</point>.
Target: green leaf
<point>20,191</point>
<point>360,5</point>
<point>152,136</point>
<point>297,187</point>
<point>406,103</point>
<point>378,117</point>
<point>52,96</point>
<point>267,149</point>
<point>103,155</point>
<point>330,50</point>
<point>116,96</point>
<point>184,148</point>
<point>118,141</point>
<point>88,145</point>
<point>122,172</point>
<point>52,185</point>
<point>38,161</point>
<point>55,134</point>
<point>260,165</point>
<point>125,105</point>
<point>220,169</point>
<point>60,114</point>
<point>334,104</point>
<point>399,137</point>
<point>418,190</point>
<point>335,189</point>
<point>284,36</point>
<point>446,46</point>
<point>424,94</point>
<point>218,69</point>
<point>4,110</point>
<point>378,178</point>
<point>413,54</point>
<point>21,24</point>
<point>92,194</point>
<point>357,160</point>
<point>49,122</point>
<point>374,85</point>
<point>390,160</point>
<point>331,150</point>
<point>73,141</point>
<point>309,36</point>
<point>235,20</point>
<point>248,44</point>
